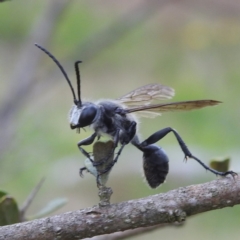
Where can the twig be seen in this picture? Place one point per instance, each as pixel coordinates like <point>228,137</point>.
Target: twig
<point>173,206</point>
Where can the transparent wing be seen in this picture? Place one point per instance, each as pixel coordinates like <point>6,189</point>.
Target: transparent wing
<point>146,94</point>
<point>157,109</point>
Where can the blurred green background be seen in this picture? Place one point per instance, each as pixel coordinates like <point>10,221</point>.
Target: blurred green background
<point>193,47</point>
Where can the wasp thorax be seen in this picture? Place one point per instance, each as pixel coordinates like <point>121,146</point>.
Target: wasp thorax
<point>83,116</point>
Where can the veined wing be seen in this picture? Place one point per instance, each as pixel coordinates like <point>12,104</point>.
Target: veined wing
<point>174,106</point>
<point>146,94</point>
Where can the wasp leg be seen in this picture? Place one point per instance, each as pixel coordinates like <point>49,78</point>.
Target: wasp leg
<point>162,133</point>
<point>110,166</point>
<point>107,158</point>
<point>130,133</point>
<point>87,141</point>
<point>126,138</point>
<point>81,171</point>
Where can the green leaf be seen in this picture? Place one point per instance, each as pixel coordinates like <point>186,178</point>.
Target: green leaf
<point>30,198</point>
<point>2,193</point>
<point>221,165</point>
<point>9,212</point>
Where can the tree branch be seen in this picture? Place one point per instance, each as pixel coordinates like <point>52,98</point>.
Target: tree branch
<point>173,206</point>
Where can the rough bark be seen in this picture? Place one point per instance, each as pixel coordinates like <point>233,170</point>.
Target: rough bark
<point>173,206</point>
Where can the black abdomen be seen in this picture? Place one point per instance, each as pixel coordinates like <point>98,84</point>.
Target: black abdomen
<point>155,165</point>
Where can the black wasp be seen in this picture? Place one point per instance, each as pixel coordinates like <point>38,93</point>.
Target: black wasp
<point>117,119</point>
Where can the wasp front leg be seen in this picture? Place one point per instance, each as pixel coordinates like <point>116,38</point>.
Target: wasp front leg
<point>102,157</point>
<point>84,142</point>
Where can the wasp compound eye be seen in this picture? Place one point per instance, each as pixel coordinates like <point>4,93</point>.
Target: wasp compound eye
<point>87,116</point>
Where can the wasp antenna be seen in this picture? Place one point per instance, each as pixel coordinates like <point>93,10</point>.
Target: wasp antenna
<point>78,81</point>
<point>62,70</point>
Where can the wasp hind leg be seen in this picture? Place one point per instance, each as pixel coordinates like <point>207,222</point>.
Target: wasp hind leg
<point>162,133</point>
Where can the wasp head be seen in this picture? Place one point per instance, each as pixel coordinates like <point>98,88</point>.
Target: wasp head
<point>83,116</point>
